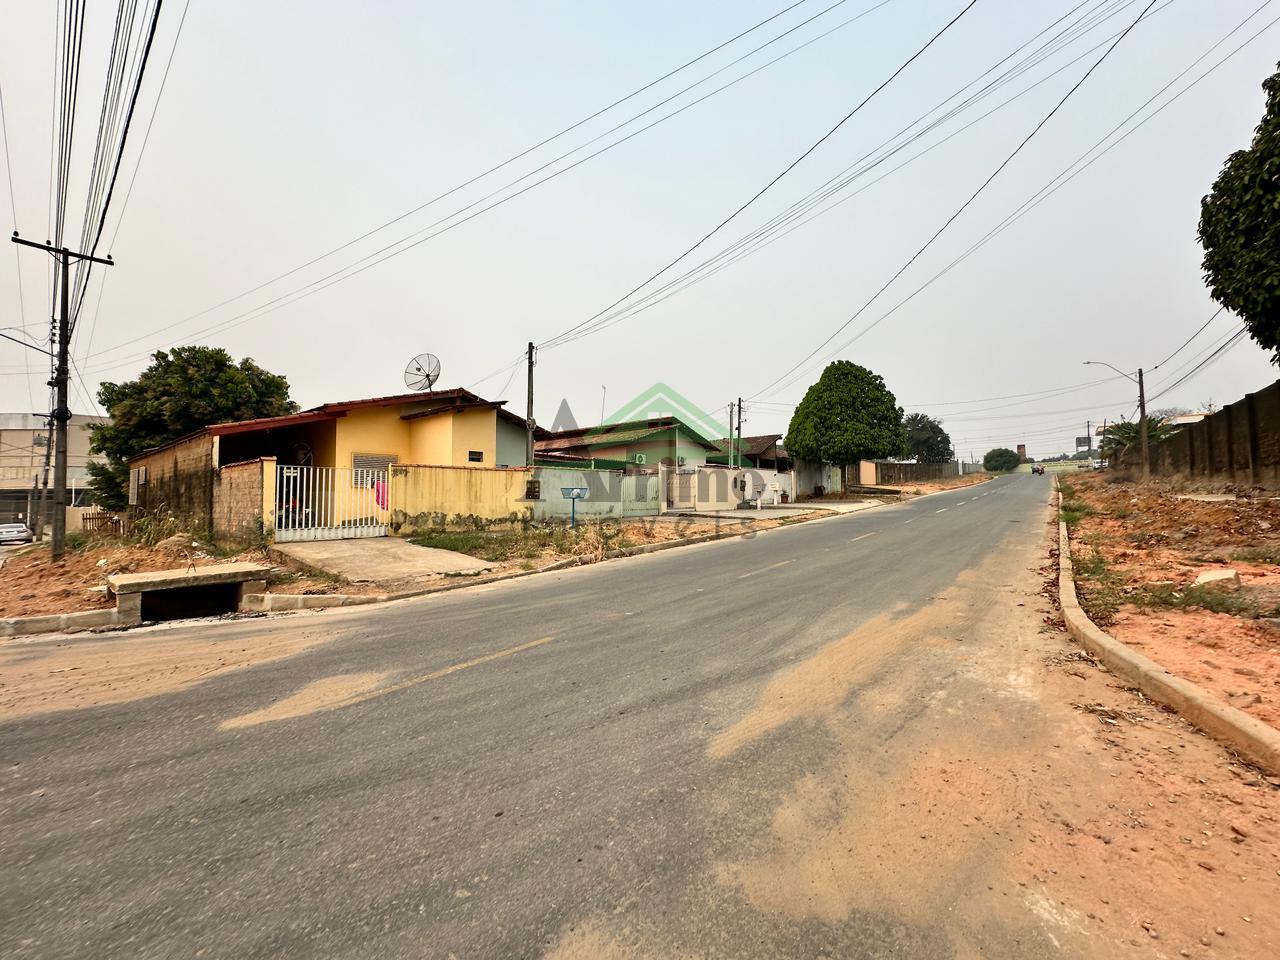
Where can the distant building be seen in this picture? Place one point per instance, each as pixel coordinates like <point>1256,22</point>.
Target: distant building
<point>23,446</point>
<point>1022,451</point>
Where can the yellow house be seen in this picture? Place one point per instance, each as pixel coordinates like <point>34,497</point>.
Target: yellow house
<point>362,438</point>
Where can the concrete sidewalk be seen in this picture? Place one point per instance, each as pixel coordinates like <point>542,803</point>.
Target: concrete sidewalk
<point>380,559</point>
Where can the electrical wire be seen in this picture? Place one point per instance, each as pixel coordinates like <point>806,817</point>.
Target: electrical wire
<point>950,220</point>
<point>17,260</point>
<point>768,186</point>
<point>1077,167</point>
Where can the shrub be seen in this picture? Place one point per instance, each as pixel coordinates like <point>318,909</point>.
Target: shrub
<point>1000,460</point>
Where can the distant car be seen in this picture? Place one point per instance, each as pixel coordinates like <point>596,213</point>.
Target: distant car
<point>15,533</point>
<point>1037,468</point>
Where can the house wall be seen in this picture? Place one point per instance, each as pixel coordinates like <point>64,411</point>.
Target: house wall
<point>474,430</point>
<point>431,440</point>
<point>429,497</point>
<point>179,483</point>
<point>718,488</point>
<point>512,440</point>
<point>611,493</point>
<point>375,431</point>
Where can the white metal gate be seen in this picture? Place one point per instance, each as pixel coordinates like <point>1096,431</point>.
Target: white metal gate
<point>330,503</point>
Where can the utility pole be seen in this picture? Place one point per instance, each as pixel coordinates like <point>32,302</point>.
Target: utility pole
<point>729,451</point>
<point>61,378</point>
<point>528,450</point>
<point>1142,428</point>
<point>739,432</point>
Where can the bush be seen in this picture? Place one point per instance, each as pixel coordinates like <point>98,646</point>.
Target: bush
<point>1000,460</point>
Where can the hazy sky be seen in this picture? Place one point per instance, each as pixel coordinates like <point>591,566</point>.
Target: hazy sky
<point>287,128</point>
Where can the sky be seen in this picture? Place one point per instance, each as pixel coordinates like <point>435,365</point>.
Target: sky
<point>286,130</point>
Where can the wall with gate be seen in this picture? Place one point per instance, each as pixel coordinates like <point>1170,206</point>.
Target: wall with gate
<point>430,497</point>
<point>610,493</point>
<point>894,474</point>
<point>1238,444</point>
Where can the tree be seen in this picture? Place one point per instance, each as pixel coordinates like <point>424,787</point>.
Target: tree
<point>181,391</point>
<point>847,416</point>
<point>1128,433</point>
<point>927,442</point>
<point>1000,459</point>
<point>1240,229</point>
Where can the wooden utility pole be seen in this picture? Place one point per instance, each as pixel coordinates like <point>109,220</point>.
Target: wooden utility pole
<point>61,378</point>
<point>528,450</point>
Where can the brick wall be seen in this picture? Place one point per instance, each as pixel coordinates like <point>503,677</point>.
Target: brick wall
<point>894,474</point>
<point>1238,444</point>
<point>237,503</point>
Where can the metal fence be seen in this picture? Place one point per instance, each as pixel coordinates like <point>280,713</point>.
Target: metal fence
<point>330,503</point>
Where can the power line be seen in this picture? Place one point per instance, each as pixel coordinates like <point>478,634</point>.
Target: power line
<point>17,260</point>
<point>1074,169</point>
<point>768,186</point>
<point>950,220</point>
<point>146,138</point>
<point>1187,342</point>
<point>461,186</point>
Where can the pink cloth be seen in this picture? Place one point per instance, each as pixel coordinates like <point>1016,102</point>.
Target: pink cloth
<point>380,494</point>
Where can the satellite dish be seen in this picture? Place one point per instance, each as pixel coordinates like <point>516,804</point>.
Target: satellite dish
<point>422,372</point>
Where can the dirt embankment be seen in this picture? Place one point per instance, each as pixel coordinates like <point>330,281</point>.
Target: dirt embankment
<point>1138,552</point>
<point>32,583</point>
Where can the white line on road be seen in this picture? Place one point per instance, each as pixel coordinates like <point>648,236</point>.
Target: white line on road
<point>912,520</point>
<point>780,563</point>
<point>943,510</point>
<point>864,536</point>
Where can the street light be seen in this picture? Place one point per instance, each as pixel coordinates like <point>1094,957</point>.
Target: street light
<point>1142,408</point>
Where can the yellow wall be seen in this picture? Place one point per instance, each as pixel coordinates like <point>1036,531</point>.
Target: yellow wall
<point>423,497</point>
<point>474,430</point>
<point>377,430</point>
<point>431,440</point>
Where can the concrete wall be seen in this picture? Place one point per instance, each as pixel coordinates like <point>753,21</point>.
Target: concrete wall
<point>429,497</point>
<point>1238,444</point>
<point>474,430</point>
<point>809,476</point>
<point>239,515</point>
<point>611,493</point>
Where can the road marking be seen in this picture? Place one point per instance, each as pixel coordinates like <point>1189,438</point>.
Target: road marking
<point>912,520</point>
<point>780,563</point>
<point>943,510</point>
<point>864,536</point>
<point>437,674</point>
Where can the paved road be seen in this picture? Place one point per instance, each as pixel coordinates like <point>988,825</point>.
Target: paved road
<point>604,762</point>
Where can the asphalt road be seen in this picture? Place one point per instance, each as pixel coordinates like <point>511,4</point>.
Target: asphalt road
<point>569,764</point>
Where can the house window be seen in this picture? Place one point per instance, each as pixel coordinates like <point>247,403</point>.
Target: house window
<point>370,468</point>
<point>475,456</point>
<point>137,477</point>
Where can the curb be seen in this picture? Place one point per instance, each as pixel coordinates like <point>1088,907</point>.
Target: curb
<point>1252,738</point>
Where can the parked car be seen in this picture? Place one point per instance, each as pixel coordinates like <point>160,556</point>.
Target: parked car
<point>15,533</point>
<point>1037,468</point>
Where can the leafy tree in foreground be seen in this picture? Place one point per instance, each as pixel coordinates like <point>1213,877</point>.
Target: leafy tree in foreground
<point>181,391</point>
<point>847,416</point>
<point>927,442</point>
<point>1000,459</point>
<point>1240,229</point>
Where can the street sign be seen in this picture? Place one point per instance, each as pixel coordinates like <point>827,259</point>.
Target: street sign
<point>1084,443</point>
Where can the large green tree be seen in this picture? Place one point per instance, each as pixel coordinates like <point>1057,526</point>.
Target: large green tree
<point>1000,459</point>
<point>1240,229</point>
<point>927,442</point>
<point>182,390</point>
<point>847,416</point>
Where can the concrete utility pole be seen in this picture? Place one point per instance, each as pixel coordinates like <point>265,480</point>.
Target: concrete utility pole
<point>739,432</point>
<point>1142,428</point>
<point>1142,408</point>
<point>61,378</point>
<point>528,447</point>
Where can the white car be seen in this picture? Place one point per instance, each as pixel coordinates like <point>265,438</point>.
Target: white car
<point>15,533</point>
